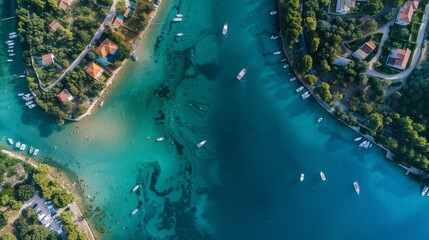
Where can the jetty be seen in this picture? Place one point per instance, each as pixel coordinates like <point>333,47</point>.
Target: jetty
<point>9,18</point>
<point>413,170</point>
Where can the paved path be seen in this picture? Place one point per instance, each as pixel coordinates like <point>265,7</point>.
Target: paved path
<point>414,60</point>
<point>385,31</point>
<point>97,35</point>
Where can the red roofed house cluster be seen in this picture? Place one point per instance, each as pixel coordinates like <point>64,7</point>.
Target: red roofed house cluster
<point>399,58</point>
<point>406,12</point>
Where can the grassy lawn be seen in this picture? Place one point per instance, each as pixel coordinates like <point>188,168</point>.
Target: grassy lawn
<point>355,45</point>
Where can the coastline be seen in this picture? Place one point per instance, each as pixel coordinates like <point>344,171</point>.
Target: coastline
<point>118,70</point>
<point>67,183</point>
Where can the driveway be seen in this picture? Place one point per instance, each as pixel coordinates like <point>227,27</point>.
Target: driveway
<point>414,60</point>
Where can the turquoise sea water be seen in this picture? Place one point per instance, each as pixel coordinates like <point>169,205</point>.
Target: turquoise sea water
<point>244,183</point>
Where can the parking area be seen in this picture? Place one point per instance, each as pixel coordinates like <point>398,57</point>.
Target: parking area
<point>46,213</point>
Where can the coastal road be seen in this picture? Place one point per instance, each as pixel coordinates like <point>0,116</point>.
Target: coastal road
<point>97,35</point>
<point>414,60</point>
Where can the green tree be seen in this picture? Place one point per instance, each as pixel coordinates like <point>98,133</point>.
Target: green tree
<point>120,6</point>
<point>310,79</point>
<point>305,64</point>
<point>25,192</point>
<point>374,122</point>
<point>395,3</point>
<point>324,92</point>
<point>8,236</point>
<point>366,109</point>
<point>310,23</point>
<point>374,6</point>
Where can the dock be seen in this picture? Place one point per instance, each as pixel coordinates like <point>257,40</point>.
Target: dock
<point>9,18</point>
<point>413,170</point>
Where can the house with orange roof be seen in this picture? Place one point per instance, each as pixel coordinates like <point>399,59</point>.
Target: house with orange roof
<point>53,26</point>
<point>399,58</point>
<point>107,49</point>
<point>94,70</point>
<point>65,96</point>
<point>64,4</point>
<point>46,60</point>
<point>365,50</point>
<point>406,12</point>
<point>117,21</point>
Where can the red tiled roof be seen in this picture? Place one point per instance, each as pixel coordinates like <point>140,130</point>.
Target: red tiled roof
<point>368,47</point>
<point>94,70</point>
<point>407,11</point>
<point>65,96</point>
<point>106,47</point>
<point>47,59</point>
<point>399,58</point>
<point>117,22</point>
<point>53,26</point>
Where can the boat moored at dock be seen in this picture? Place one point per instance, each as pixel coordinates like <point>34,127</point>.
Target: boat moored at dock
<point>425,190</point>
<point>358,139</point>
<point>299,89</point>
<point>23,146</point>
<point>36,152</point>
<point>10,141</point>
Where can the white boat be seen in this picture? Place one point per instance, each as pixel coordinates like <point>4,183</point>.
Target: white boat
<point>272,13</point>
<point>10,60</point>
<point>292,79</point>
<point>11,54</point>
<point>20,94</point>
<point>179,35</point>
<point>13,36</point>
<point>179,15</point>
<point>28,103</point>
<point>225,29</point>
<point>101,103</point>
<point>134,211</point>
<point>358,139</point>
<point>277,53</point>
<point>134,57</point>
<point>12,33</point>
<point>370,145</point>
<point>135,188</point>
<point>301,178</point>
<point>362,144</point>
<point>31,150</point>
<point>299,89</point>
<point>10,50</point>
<point>286,66</point>
<point>356,186</point>
<point>11,43</point>
<point>23,146</point>
<point>241,74</point>
<point>305,95</point>
<point>319,120</point>
<point>200,144</point>
<point>8,41</point>
<point>36,152</point>
<point>27,95</point>
<point>10,46</point>
<point>283,60</point>
<point>366,145</point>
<point>322,176</point>
<point>18,144</point>
<point>274,37</point>
<point>31,106</point>
<point>28,98</point>
<point>10,141</point>
<point>22,76</point>
<point>160,139</point>
<point>177,19</point>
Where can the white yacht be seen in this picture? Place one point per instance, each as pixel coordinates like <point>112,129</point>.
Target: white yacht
<point>362,143</point>
<point>8,41</point>
<point>13,36</point>
<point>283,60</point>
<point>319,120</point>
<point>200,144</point>
<point>11,43</point>
<point>18,144</point>
<point>36,152</point>
<point>23,146</point>
<point>12,33</point>
<point>305,95</point>
<point>28,103</point>
<point>10,51</point>
<point>160,139</point>
<point>31,106</point>
<point>292,79</point>
<point>11,54</point>
<point>299,89</point>
<point>356,186</point>
<point>179,15</point>
<point>277,53</point>
<point>366,145</point>
<point>20,94</point>
<point>272,13</point>
<point>135,188</point>
<point>301,178</point>
<point>179,35</point>
<point>286,66</point>
<point>274,37</point>
<point>177,19</point>
<point>358,139</point>
<point>134,211</point>
<point>10,141</point>
<point>31,150</point>
<point>9,60</point>
<point>241,74</point>
<point>322,176</point>
<point>225,29</point>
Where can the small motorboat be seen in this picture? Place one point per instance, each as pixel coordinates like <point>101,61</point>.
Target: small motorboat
<point>9,60</point>
<point>27,95</point>
<point>134,211</point>
<point>362,143</point>
<point>10,50</point>
<point>13,36</point>
<point>10,46</point>
<point>135,188</point>
<point>179,15</point>
<point>10,141</point>
<point>22,76</point>
<point>241,74</point>
<point>277,53</point>
<point>200,144</point>
<point>101,103</point>
<point>358,139</point>
<point>292,79</point>
<point>20,94</point>
<point>12,33</point>
<point>286,66</point>
<point>31,106</point>
<point>160,139</point>
<point>274,37</point>
<point>299,89</point>
<point>356,186</point>
<point>134,57</point>
<point>31,150</point>
<point>18,144</point>
<point>179,35</point>
<point>283,60</point>
<point>28,103</point>
<point>319,120</point>
<point>301,178</point>
<point>322,176</point>
<point>272,13</point>
<point>36,152</point>
<point>8,41</point>
<point>225,29</point>
<point>23,146</point>
<point>11,54</point>
<point>177,19</point>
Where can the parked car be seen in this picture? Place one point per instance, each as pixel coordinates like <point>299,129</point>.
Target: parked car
<point>34,205</point>
<point>53,213</point>
<point>48,202</point>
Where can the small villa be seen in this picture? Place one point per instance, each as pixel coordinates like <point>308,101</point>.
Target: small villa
<point>117,21</point>
<point>46,60</point>
<point>406,12</point>
<point>107,50</point>
<point>53,26</point>
<point>344,6</point>
<point>94,70</point>
<point>130,9</point>
<point>399,58</point>
<point>364,50</point>
<point>64,4</point>
<point>65,96</point>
